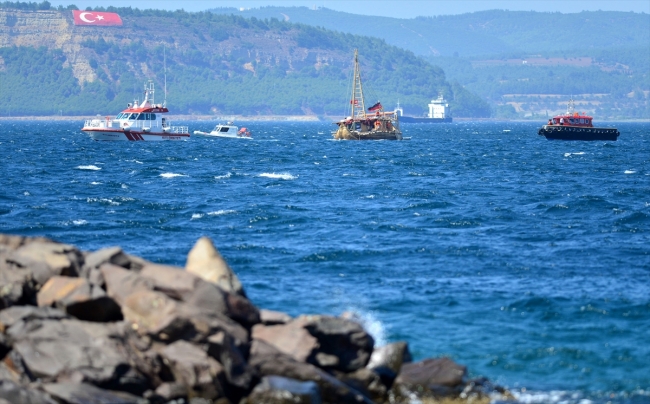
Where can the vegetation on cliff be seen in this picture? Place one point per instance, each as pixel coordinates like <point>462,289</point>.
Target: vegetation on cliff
<point>220,64</point>
<point>600,55</point>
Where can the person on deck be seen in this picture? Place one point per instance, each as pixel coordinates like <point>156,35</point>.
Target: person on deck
<point>561,121</point>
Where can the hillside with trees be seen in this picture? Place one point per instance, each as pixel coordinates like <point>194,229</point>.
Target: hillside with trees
<point>525,64</point>
<point>215,64</point>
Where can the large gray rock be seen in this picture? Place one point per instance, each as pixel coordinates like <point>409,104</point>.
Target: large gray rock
<point>387,361</point>
<point>282,390</point>
<point>440,377</point>
<point>365,381</point>
<point>16,285</point>
<point>292,339</point>
<point>121,283</point>
<point>21,314</point>
<point>268,361</point>
<point>271,317</point>
<point>325,341</point>
<point>205,261</point>
<point>13,393</point>
<point>183,291</point>
<point>73,350</point>
<point>76,297</point>
<point>192,367</point>
<point>223,348</point>
<point>46,258</point>
<point>81,393</point>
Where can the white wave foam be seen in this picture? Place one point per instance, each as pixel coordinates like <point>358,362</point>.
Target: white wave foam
<point>90,167</point>
<point>26,193</point>
<point>370,323</point>
<point>575,154</point>
<point>549,397</point>
<point>282,176</point>
<point>221,212</point>
<point>124,186</point>
<point>95,183</point>
<point>369,197</point>
<point>197,216</point>
<point>172,175</point>
<point>220,177</point>
<point>79,222</point>
<point>103,200</point>
<point>630,172</point>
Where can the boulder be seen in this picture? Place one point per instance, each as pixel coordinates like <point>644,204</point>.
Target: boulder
<point>386,361</point>
<point>46,258</point>
<point>271,317</point>
<point>184,287</point>
<point>191,366</point>
<point>81,393</point>
<point>21,314</point>
<point>75,297</point>
<point>205,261</point>
<point>440,377</point>
<point>13,393</point>
<point>269,361</point>
<point>292,339</point>
<point>367,382</point>
<point>325,341</point>
<point>79,351</point>
<point>340,338</point>
<point>157,315</point>
<point>222,347</point>
<point>16,286</point>
<point>121,283</point>
<point>283,390</point>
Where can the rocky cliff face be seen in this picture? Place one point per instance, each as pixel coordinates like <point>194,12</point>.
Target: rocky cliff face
<point>56,30</point>
<point>52,29</point>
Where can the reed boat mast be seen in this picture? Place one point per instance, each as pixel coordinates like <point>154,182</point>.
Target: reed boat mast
<point>358,107</point>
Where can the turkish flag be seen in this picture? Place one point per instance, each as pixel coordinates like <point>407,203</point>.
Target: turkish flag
<point>95,18</point>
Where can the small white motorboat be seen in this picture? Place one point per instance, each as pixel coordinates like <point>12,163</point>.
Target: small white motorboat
<point>228,131</point>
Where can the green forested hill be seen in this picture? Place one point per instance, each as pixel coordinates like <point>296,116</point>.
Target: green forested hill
<point>216,64</point>
<point>480,33</point>
<point>522,63</point>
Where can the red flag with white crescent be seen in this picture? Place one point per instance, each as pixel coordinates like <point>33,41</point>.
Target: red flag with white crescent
<point>96,18</point>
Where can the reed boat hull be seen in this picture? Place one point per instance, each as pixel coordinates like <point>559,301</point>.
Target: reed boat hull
<point>122,135</point>
<point>353,135</point>
<point>554,132</point>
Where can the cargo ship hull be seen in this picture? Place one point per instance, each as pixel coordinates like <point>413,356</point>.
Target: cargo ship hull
<point>410,119</point>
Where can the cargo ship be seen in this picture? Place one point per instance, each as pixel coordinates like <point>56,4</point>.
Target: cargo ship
<point>575,126</point>
<point>437,113</point>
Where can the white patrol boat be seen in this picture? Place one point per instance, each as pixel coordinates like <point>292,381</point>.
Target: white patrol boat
<point>228,131</point>
<point>139,121</point>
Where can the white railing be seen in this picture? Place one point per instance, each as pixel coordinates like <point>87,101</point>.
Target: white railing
<point>177,129</point>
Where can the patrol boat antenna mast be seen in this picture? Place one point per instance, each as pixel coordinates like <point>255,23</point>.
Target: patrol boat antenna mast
<point>165,70</point>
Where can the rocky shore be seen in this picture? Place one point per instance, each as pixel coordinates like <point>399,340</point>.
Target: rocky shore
<point>107,327</point>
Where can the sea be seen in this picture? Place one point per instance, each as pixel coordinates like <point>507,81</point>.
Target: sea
<point>526,260</point>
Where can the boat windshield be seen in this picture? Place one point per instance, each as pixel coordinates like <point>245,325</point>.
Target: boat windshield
<point>224,129</point>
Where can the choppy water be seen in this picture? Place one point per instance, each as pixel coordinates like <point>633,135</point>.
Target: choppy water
<point>524,259</point>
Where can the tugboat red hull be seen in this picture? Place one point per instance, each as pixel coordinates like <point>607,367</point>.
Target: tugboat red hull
<point>554,132</point>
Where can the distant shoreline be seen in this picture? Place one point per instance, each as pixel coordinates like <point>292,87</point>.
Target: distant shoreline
<point>234,118</point>
<point>269,118</point>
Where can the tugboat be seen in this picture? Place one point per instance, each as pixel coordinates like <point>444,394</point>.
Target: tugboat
<point>139,121</point>
<point>575,126</point>
<point>437,113</point>
<point>361,125</point>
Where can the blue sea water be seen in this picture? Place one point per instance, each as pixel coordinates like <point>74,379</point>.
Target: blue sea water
<point>524,259</point>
